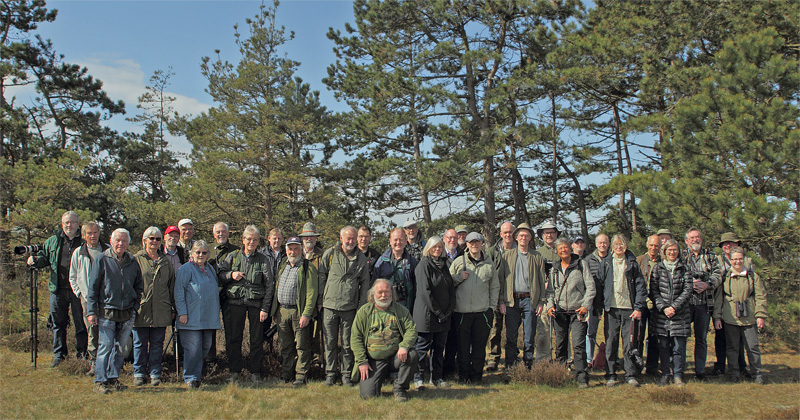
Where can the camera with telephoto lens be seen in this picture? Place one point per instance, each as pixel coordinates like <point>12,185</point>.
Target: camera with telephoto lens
<point>702,275</point>
<point>400,291</point>
<point>24,249</point>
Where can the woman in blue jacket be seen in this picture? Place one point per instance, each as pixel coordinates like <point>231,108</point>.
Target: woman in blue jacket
<point>197,304</point>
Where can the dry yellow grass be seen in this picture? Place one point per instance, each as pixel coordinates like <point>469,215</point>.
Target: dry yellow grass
<point>57,393</point>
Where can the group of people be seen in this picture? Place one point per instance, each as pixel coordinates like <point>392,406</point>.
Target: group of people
<point>425,309</point>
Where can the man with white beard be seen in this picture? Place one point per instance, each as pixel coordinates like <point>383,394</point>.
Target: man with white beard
<point>343,280</point>
<point>383,341</point>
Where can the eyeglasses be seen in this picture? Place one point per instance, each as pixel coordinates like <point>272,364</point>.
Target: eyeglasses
<point>201,253</point>
<point>154,238</point>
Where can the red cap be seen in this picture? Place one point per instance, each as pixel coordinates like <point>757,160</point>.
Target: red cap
<point>171,229</point>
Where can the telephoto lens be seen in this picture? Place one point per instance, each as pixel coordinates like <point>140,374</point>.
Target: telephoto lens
<point>24,249</point>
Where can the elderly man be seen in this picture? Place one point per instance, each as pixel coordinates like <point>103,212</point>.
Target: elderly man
<point>461,236</point>
<point>247,278</point>
<point>477,296</point>
<point>56,253</point>
<point>647,262</point>
<point>115,290</point>
<point>80,267</point>
<point>383,341</point>
<point>548,233</point>
<point>415,242</point>
<point>602,244</point>
<point>363,240</point>
<point>312,251</point>
<point>706,275</point>
<point>664,235</point>
<point>524,294</point>
<point>221,233</point>
<point>172,248</point>
<point>397,266</point>
<point>727,242</point>
<point>186,227</point>
<point>293,308</point>
<point>451,248</point>
<point>344,280</point>
<point>495,253</point>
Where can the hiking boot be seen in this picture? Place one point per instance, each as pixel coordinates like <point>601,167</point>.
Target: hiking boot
<point>746,374</point>
<point>759,380</point>
<point>733,378</point>
<point>118,386</point>
<point>583,385</point>
<point>102,388</point>
<point>612,382</point>
<point>441,383</point>
<point>664,381</point>
<point>633,382</point>
<point>679,381</point>
<point>701,377</point>
<point>718,371</point>
<point>56,361</point>
<point>330,381</point>
<point>347,382</point>
<point>400,396</point>
<point>91,370</point>
<point>138,381</point>
<point>299,382</point>
<point>193,385</point>
<point>419,385</point>
<point>155,381</point>
<point>491,366</point>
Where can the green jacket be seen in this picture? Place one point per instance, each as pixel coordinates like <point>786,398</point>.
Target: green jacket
<point>749,289</point>
<point>306,288</point>
<point>343,284</point>
<point>157,306</point>
<point>536,277</point>
<point>257,287</point>
<point>481,290</point>
<point>358,334</point>
<point>49,255</point>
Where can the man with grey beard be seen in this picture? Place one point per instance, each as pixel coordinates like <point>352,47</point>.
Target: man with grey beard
<point>343,280</point>
<point>383,339</point>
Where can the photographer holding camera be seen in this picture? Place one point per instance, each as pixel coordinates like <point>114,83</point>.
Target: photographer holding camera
<point>56,252</point>
<point>705,274</point>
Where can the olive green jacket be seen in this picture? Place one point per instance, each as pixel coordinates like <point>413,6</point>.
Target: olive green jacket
<point>157,306</point>
<point>740,288</point>
<point>306,288</point>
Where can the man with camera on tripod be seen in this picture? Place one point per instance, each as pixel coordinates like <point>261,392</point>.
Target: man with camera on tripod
<point>56,252</point>
<point>705,273</point>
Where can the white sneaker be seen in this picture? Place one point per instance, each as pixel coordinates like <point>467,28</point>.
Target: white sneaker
<point>419,385</point>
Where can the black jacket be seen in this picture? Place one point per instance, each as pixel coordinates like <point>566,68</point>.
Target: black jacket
<point>633,275</point>
<point>436,297</point>
<point>675,292</point>
<point>594,262</point>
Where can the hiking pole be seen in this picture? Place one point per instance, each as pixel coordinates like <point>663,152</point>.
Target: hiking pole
<point>34,312</point>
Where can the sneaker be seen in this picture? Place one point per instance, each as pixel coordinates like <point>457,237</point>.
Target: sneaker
<point>138,381</point>
<point>633,382</point>
<point>441,383</point>
<point>299,382</point>
<point>56,361</point>
<point>583,385</point>
<point>664,381</point>
<point>102,388</point>
<point>330,381</point>
<point>491,366</point>
<point>192,385</point>
<point>400,396</point>
<point>255,378</point>
<point>233,378</point>
<point>119,386</point>
<point>612,382</point>
<point>717,371</point>
<point>746,374</point>
<point>155,381</point>
<point>679,381</point>
<point>759,380</point>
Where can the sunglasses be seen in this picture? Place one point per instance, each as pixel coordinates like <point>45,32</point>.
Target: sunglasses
<point>154,238</point>
<point>201,253</point>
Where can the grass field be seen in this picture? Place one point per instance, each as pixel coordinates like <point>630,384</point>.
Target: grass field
<point>64,392</point>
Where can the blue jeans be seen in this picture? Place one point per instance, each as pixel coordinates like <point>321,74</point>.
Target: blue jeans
<point>62,302</point>
<point>591,335</point>
<point>520,313</point>
<point>700,319</point>
<point>148,350</point>
<point>674,347</point>
<point>112,337</point>
<point>196,344</point>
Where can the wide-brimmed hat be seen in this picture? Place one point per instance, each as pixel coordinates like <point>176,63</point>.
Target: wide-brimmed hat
<point>729,237</point>
<point>474,236</point>
<point>664,232</point>
<point>522,226</point>
<point>409,223</point>
<point>309,229</point>
<point>547,225</point>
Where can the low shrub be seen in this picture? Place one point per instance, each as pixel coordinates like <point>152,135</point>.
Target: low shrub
<point>555,375</point>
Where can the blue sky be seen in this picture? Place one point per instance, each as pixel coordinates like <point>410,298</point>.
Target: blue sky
<point>123,42</point>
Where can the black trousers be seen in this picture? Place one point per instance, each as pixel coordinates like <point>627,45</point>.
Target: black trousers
<point>449,366</point>
<point>473,334</point>
<point>564,326</point>
<point>432,343</point>
<point>721,350</point>
<point>234,317</point>
<point>646,329</point>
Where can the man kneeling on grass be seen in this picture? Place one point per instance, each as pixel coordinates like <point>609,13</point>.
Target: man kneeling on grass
<point>382,340</point>
<point>115,290</point>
